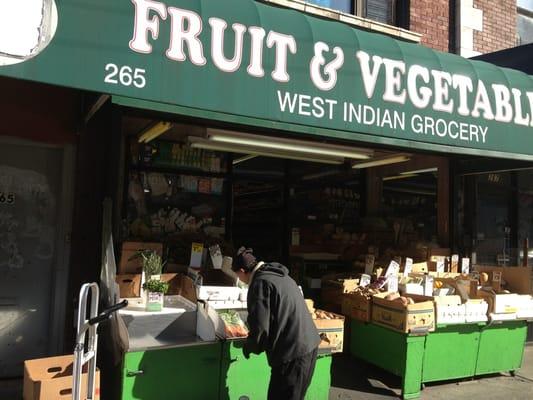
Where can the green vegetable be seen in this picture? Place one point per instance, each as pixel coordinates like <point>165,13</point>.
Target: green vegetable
<point>231,317</point>
<point>156,286</point>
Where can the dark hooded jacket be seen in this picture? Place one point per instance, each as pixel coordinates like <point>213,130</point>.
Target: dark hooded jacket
<point>278,318</point>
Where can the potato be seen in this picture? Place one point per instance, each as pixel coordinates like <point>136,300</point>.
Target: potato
<point>392,296</point>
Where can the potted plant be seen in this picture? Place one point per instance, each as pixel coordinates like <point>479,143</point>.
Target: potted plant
<point>155,290</point>
<point>152,264</point>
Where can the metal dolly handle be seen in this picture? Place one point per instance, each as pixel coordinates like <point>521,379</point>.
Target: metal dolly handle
<point>88,325</point>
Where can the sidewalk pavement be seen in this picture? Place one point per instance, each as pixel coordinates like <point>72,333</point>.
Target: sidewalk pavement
<point>355,380</point>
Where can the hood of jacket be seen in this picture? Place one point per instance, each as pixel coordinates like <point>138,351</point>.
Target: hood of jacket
<point>273,269</point>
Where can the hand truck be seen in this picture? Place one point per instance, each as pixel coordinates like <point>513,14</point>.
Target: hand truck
<point>87,337</point>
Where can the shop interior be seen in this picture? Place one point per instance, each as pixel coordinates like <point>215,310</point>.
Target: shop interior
<point>339,215</point>
<point>317,207</point>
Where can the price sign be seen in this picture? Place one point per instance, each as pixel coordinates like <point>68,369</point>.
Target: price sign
<point>465,265</point>
<point>440,264</point>
<point>197,251</point>
<point>393,269</point>
<point>454,267</point>
<point>392,283</point>
<point>408,266</point>
<point>365,280</point>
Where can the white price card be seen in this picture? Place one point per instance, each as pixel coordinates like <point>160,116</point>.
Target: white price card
<point>365,280</point>
<point>465,265</point>
<point>408,266</point>
<point>216,256</point>
<point>455,263</point>
<point>428,285</point>
<point>393,269</point>
<point>440,264</point>
<point>392,283</point>
<point>197,251</point>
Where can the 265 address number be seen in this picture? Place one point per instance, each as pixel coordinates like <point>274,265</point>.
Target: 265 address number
<point>7,198</point>
<point>125,75</point>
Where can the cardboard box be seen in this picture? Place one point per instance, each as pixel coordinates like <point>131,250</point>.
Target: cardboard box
<point>526,307</point>
<point>476,310</point>
<point>418,318</point>
<point>501,303</point>
<point>218,293</point>
<point>174,283</point>
<point>357,306</point>
<point>129,285</point>
<point>51,379</point>
<point>449,310</point>
<point>420,268</point>
<point>518,279</point>
<point>129,264</point>
<point>331,332</point>
<point>332,290</point>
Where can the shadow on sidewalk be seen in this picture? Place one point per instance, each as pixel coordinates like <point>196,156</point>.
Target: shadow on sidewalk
<point>355,375</point>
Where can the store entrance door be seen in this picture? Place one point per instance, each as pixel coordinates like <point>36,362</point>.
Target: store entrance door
<point>30,207</point>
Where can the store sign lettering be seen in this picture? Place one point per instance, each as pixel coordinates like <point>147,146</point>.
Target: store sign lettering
<point>420,86</point>
<point>251,63</point>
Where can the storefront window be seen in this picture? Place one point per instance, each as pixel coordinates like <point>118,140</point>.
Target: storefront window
<point>381,10</point>
<point>526,4</point>
<point>525,214</point>
<point>377,10</point>
<point>524,21</point>
<point>339,5</point>
<point>409,205</point>
<point>494,219</point>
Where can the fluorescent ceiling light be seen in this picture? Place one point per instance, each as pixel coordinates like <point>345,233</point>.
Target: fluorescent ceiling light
<point>401,176</point>
<point>375,162</point>
<point>154,131</point>
<point>411,191</point>
<point>201,143</point>
<point>319,175</point>
<point>420,171</point>
<point>300,146</point>
<point>243,159</point>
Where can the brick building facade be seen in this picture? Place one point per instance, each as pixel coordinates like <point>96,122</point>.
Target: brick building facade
<point>466,27</point>
<point>499,25</point>
<point>431,18</point>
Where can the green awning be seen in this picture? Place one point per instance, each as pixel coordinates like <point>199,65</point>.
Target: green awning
<point>247,62</point>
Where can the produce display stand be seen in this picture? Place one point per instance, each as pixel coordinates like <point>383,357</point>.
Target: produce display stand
<point>182,351</point>
<point>242,378</point>
<point>201,370</point>
<point>478,349</point>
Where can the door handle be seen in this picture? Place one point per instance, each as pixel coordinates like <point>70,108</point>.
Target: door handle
<point>131,374</point>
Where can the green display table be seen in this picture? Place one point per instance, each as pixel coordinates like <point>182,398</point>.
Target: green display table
<point>501,347</point>
<point>187,372</point>
<point>451,352</point>
<point>242,378</point>
<point>211,371</point>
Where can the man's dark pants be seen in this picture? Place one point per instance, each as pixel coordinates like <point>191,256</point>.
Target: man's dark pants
<point>289,381</point>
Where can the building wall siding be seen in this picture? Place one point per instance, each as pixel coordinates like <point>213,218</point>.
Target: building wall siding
<point>499,25</point>
<point>431,18</point>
